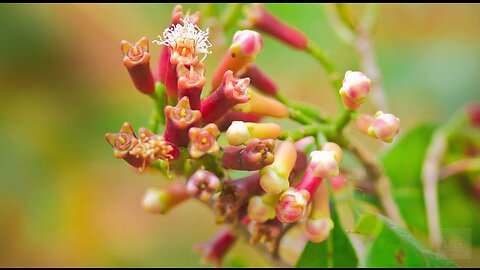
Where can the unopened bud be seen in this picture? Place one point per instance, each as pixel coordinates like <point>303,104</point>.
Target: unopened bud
<point>245,46</point>
<point>262,208</point>
<point>160,201</point>
<point>203,184</point>
<point>385,126</point>
<point>324,163</point>
<point>355,88</point>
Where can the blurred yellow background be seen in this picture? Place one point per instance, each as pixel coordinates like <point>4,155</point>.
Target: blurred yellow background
<point>66,201</point>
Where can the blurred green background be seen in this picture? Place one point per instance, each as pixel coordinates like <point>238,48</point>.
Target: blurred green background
<point>64,199</point>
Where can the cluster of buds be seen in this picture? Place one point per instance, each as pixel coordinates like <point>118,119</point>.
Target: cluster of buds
<point>355,89</point>
<point>286,178</point>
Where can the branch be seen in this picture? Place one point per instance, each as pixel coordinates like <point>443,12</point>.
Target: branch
<point>430,176</point>
<point>381,181</point>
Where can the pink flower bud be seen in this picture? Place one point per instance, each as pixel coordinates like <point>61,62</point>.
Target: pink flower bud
<point>230,93</point>
<point>384,126</point>
<point>215,249</point>
<point>350,103</point>
<point>240,132</point>
<point>355,86</point>
<point>203,184</point>
<point>256,155</point>
<point>258,17</point>
<point>354,90</point>
<point>262,208</point>
<point>294,202</point>
<point>203,140</point>
<point>258,79</point>
<point>226,120</point>
<point>293,205</point>
<point>160,201</point>
<point>137,61</point>
<point>179,120</point>
<point>331,146</point>
<point>318,230</point>
<point>473,112</point>
<point>245,47</point>
<point>190,83</point>
<point>324,163</point>
<point>274,178</point>
<point>339,182</point>
<point>318,225</point>
<point>364,122</point>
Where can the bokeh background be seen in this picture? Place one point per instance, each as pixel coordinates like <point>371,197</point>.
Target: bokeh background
<point>64,199</point>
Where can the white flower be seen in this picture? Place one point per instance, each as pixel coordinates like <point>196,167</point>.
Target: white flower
<point>187,39</point>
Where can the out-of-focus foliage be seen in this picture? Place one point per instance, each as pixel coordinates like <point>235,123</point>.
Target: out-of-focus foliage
<point>337,251</point>
<point>394,247</point>
<point>67,202</point>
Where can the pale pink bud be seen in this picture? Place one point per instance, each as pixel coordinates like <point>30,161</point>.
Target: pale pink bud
<point>355,86</point>
<point>324,163</point>
<point>245,46</point>
<point>293,205</point>
<point>262,208</point>
<point>384,127</point>
<point>318,230</point>
<point>203,184</point>
<point>241,132</point>
<point>274,177</point>
<point>364,122</point>
<point>248,41</point>
<point>331,146</point>
<point>160,201</point>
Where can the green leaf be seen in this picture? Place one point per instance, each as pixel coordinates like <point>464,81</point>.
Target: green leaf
<point>395,247</point>
<point>336,251</point>
<point>403,165</point>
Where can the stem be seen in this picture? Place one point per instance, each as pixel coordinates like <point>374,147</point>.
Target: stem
<point>369,65</point>
<point>229,15</point>
<point>461,166</point>
<point>381,181</point>
<point>276,249</point>
<point>158,116</point>
<point>299,117</point>
<point>209,10</point>
<point>343,119</point>
<point>359,37</point>
<point>306,111</point>
<point>262,249</point>
<point>430,176</point>
<point>303,131</point>
<point>319,55</point>
<point>431,172</point>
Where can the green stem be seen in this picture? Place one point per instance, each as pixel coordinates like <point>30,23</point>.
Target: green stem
<point>311,112</point>
<point>157,117</point>
<point>302,132</point>
<point>299,117</point>
<point>229,15</point>
<point>344,15</point>
<point>343,120</point>
<point>305,114</point>
<point>209,10</point>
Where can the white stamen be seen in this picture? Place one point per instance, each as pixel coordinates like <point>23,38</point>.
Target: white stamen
<point>189,35</point>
